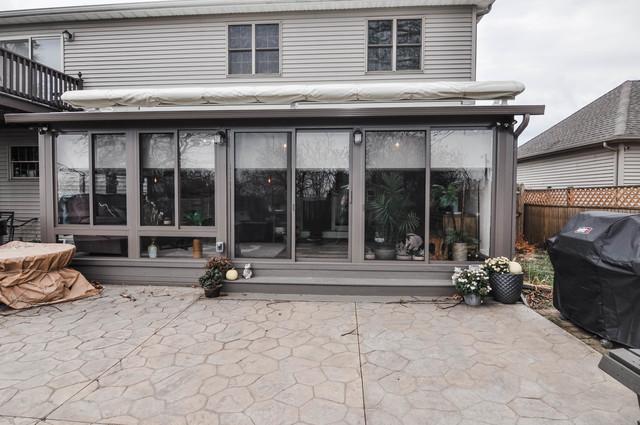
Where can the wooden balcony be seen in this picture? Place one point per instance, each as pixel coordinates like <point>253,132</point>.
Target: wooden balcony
<point>29,86</point>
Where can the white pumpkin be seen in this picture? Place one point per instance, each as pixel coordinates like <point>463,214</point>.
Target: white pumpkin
<point>515,267</point>
<point>232,274</point>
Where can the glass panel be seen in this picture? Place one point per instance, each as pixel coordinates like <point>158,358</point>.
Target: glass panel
<point>408,31</point>
<point>73,179</point>
<point>110,179</point>
<point>395,168</point>
<point>177,247</point>
<point>239,36</point>
<point>380,32</point>
<point>267,62</point>
<point>379,59</point>
<point>96,245</point>
<point>157,179</point>
<point>322,194</point>
<point>461,186</point>
<point>240,62</point>
<point>24,162</point>
<point>261,189</point>
<point>47,51</point>
<point>197,178</point>
<point>267,36</point>
<point>20,47</point>
<point>408,58</point>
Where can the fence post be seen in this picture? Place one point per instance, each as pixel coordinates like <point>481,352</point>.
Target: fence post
<point>571,196</point>
<point>520,212</point>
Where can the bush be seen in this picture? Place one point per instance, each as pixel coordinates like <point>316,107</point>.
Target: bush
<point>472,281</point>
<point>216,267</point>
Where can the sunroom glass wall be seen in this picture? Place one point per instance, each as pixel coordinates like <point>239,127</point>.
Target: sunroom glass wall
<point>73,178</point>
<point>322,194</point>
<point>261,212</point>
<point>157,179</point>
<point>461,194</point>
<point>197,178</point>
<point>395,175</point>
<point>110,179</point>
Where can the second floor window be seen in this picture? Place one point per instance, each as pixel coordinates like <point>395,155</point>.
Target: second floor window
<point>46,50</point>
<point>394,44</point>
<point>254,49</point>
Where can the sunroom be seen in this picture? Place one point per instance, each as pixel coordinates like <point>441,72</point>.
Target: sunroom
<point>383,198</point>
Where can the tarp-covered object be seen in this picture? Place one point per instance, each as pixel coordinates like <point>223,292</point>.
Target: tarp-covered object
<point>596,259</point>
<point>33,274</point>
<point>287,93</point>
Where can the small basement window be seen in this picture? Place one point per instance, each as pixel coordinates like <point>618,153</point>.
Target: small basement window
<point>24,162</point>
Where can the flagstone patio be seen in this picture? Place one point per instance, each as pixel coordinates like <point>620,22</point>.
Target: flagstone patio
<point>151,355</point>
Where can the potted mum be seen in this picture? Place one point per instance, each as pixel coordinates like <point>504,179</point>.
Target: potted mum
<point>472,283</point>
<point>211,280</point>
<point>506,279</point>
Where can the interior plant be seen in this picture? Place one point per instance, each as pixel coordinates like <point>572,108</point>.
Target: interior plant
<point>506,279</point>
<point>459,242</point>
<point>211,280</point>
<point>446,197</point>
<point>391,211</point>
<point>472,283</point>
<point>402,252</point>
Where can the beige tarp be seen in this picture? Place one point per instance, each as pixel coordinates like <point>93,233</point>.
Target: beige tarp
<point>288,93</point>
<point>34,274</point>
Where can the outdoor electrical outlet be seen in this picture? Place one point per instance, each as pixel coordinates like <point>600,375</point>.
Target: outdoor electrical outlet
<point>219,247</point>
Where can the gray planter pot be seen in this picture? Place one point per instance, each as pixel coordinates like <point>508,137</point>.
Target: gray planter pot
<point>385,253</point>
<point>506,288</point>
<point>473,300</point>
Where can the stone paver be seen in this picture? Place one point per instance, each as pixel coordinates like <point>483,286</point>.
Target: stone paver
<point>164,356</point>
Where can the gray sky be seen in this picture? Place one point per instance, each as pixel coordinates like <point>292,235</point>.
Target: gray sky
<point>567,52</point>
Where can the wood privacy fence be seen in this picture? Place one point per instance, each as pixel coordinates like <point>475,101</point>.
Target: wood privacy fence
<point>542,213</point>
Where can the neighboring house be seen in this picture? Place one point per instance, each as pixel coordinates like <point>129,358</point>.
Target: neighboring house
<point>599,145</point>
<point>308,138</point>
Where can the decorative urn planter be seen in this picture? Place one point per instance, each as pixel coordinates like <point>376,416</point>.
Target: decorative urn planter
<point>506,288</point>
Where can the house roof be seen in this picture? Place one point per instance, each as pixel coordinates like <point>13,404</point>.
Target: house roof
<point>204,7</point>
<point>615,115</point>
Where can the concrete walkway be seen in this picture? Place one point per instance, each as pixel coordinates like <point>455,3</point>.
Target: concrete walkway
<point>148,355</point>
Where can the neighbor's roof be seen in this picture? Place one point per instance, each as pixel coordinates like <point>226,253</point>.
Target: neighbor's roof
<point>204,7</point>
<point>613,116</point>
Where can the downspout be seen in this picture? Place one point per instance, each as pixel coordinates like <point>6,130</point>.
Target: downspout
<point>522,127</point>
<point>619,158</point>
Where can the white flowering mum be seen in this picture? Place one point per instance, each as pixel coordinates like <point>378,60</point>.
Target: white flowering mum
<point>471,281</point>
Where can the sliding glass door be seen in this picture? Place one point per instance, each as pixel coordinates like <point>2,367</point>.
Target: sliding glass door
<point>322,195</point>
<point>262,195</point>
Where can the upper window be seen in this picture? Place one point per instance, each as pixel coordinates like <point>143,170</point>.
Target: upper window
<point>254,49</point>
<point>24,162</point>
<point>394,45</point>
<point>46,50</point>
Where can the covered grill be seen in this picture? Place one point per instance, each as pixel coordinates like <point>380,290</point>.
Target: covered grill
<point>596,259</point>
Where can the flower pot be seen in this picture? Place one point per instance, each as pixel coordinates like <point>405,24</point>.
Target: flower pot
<point>370,256</point>
<point>506,288</point>
<point>212,292</point>
<point>385,253</point>
<point>460,252</point>
<point>418,258</point>
<point>404,257</point>
<point>473,300</point>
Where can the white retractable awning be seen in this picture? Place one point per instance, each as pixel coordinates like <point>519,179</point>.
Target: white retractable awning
<point>279,94</point>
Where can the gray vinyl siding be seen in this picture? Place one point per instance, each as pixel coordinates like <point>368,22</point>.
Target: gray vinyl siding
<point>21,195</point>
<point>582,169</point>
<point>317,46</point>
<point>632,166</point>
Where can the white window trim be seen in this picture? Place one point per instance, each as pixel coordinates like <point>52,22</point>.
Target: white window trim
<point>394,46</point>
<point>11,162</point>
<point>253,49</point>
<point>30,38</point>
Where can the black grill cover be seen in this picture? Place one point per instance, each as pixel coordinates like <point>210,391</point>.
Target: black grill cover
<point>596,260</point>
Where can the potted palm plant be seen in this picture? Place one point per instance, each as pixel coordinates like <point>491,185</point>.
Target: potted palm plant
<point>390,210</point>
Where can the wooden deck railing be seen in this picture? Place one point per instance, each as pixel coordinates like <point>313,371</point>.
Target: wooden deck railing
<point>27,79</point>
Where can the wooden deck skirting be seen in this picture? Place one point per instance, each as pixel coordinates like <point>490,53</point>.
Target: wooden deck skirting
<point>541,213</point>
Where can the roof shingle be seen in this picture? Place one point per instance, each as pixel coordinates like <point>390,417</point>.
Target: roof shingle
<point>616,114</point>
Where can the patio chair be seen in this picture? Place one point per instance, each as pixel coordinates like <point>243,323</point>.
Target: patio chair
<point>624,366</point>
<point>6,226</point>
